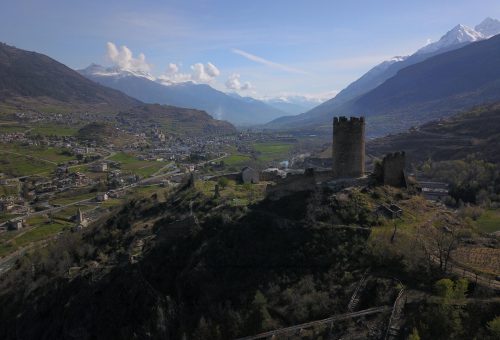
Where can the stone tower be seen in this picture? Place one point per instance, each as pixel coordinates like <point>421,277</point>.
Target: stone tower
<point>348,147</point>
<point>394,165</point>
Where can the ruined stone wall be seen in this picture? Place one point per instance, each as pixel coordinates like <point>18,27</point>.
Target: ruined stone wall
<point>291,184</point>
<point>348,147</point>
<point>393,166</point>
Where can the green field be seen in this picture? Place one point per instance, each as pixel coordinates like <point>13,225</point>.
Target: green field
<point>237,194</point>
<point>272,151</point>
<point>65,200</point>
<point>237,160</point>
<point>17,160</point>
<point>54,130</point>
<point>49,154</point>
<point>16,165</point>
<point>489,221</point>
<point>129,162</point>
<point>11,127</point>
<point>40,228</point>
<point>40,233</point>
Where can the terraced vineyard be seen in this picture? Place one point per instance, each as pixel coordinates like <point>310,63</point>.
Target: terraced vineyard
<point>480,258</point>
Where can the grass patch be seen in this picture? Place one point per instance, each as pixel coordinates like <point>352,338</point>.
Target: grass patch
<point>40,233</point>
<point>11,128</point>
<point>272,151</point>
<point>236,194</point>
<point>17,165</point>
<point>40,228</point>
<point>489,221</point>
<point>54,130</point>
<point>72,199</point>
<point>18,160</point>
<point>129,162</point>
<point>237,160</point>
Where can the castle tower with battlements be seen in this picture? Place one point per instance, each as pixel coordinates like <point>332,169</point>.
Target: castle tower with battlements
<point>348,147</point>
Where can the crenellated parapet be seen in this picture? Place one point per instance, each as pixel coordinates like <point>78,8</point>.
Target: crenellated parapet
<point>352,121</point>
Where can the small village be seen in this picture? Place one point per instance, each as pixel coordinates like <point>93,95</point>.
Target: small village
<point>52,179</point>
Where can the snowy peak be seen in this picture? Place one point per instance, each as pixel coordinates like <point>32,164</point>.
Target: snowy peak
<point>387,63</point>
<point>489,27</point>
<point>117,72</point>
<point>458,35</point>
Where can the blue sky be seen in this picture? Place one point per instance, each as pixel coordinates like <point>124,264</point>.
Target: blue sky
<point>277,47</point>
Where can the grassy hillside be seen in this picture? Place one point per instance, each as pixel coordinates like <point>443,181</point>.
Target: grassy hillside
<point>174,119</point>
<point>474,132</point>
<point>33,80</point>
<point>205,268</point>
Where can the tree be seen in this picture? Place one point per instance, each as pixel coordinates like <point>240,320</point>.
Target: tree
<point>448,289</point>
<point>259,316</point>
<point>444,288</point>
<point>460,288</point>
<point>494,327</point>
<point>414,335</point>
<point>223,182</point>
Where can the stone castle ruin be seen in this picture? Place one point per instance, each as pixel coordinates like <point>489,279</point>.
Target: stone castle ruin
<point>348,168</point>
<point>393,169</point>
<point>348,147</point>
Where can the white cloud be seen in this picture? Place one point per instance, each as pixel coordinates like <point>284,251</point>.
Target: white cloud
<point>204,73</point>
<point>122,56</point>
<point>200,73</point>
<point>211,70</point>
<point>266,62</point>
<point>172,69</point>
<point>234,83</point>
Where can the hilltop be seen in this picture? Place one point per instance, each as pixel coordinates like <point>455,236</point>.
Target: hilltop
<point>196,266</point>
<point>39,87</point>
<point>474,132</point>
<point>30,80</point>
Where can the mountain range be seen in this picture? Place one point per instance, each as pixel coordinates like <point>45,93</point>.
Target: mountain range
<point>233,108</point>
<point>33,81</point>
<point>352,99</point>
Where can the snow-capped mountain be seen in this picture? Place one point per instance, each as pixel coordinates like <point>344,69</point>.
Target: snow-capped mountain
<point>294,104</point>
<point>219,105</point>
<point>457,36</point>
<point>489,27</point>
<point>117,72</point>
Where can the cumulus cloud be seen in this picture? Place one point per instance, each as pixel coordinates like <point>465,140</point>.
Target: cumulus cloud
<point>200,73</point>
<point>122,56</point>
<point>234,83</point>
<point>204,73</point>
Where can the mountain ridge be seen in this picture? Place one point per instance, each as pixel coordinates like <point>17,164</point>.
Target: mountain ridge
<point>186,94</point>
<point>31,81</point>
<point>388,69</point>
<point>30,77</point>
